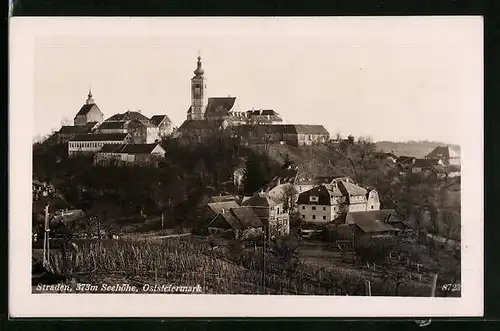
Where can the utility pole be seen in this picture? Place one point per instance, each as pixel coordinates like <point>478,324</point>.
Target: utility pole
<point>264,261</point>
<point>46,246</point>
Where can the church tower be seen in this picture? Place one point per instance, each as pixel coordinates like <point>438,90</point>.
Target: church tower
<point>197,110</point>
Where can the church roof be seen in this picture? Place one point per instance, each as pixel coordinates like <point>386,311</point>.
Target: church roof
<point>86,109</point>
<point>200,125</point>
<point>219,106</point>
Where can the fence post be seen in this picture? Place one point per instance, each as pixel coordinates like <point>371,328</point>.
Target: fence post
<point>434,282</point>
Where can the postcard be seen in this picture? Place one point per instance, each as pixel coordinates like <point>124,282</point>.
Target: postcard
<point>246,167</point>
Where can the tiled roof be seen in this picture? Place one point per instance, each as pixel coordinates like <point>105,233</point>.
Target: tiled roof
<point>351,188</point>
<point>372,221</point>
<point>219,106</point>
<point>113,125</point>
<point>310,129</point>
<point>405,159</point>
<point>86,108</point>
<point>218,207</point>
<point>320,191</point>
<point>128,148</point>
<point>223,198</point>
<point>129,115</point>
<point>260,200</point>
<point>246,217</point>
<point>200,125</point>
<point>68,129</point>
<point>101,137</point>
<point>426,163</point>
<point>443,152</point>
<point>157,119</point>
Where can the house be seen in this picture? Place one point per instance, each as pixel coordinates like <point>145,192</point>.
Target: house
<point>375,222</point>
<point>88,113</point>
<point>292,134</point>
<point>449,155</point>
<point>129,154</point>
<point>129,115</point>
<point>449,171</point>
<point>68,132</point>
<point>92,143</point>
<point>327,202</point>
<point>391,157</point>
<point>139,126</point>
<point>271,212</point>
<point>406,160</point>
<point>237,223</point>
<point>163,124</point>
<point>421,165</point>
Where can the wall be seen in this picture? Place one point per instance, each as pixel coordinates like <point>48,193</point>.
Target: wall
<point>373,202</point>
<point>138,132</point>
<point>88,146</point>
<point>152,135</point>
<point>315,213</point>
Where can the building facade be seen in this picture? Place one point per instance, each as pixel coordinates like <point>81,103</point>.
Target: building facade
<point>129,154</point>
<point>327,202</point>
<point>92,143</point>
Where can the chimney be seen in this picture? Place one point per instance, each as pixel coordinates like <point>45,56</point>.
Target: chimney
<point>278,181</point>
<point>223,210</point>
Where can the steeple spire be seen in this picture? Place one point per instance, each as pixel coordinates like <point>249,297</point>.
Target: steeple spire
<point>90,100</point>
<point>199,70</point>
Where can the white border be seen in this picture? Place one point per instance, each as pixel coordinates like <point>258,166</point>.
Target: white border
<point>23,303</point>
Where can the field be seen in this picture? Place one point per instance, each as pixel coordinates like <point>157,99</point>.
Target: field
<point>224,267</point>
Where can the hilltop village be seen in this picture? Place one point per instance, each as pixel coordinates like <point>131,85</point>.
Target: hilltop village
<point>236,175</point>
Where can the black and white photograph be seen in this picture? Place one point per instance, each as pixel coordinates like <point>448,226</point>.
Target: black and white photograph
<point>270,163</point>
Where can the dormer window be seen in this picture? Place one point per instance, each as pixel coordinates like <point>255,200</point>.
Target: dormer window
<point>313,198</point>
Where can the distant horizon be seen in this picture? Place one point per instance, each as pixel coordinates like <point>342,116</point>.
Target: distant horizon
<point>394,79</point>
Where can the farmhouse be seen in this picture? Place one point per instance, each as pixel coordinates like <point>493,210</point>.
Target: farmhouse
<point>327,202</point>
<point>449,155</point>
<point>271,213</point>
<point>421,165</point>
<point>375,222</point>
<point>91,143</point>
<point>129,154</point>
<point>237,223</point>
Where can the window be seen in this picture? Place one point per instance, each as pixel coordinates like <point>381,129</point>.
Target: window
<point>324,208</point>
<point>313,207</point>
<point>303,207</point>
<point>314,217</point>
<point>303,216</point>
<point>313,198</point>
<point>324,217</point>
<point>372,207</point>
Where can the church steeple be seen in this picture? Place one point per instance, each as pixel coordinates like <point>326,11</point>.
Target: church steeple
<point>90,100</point>
<point>199,70</point>
<point>197,109</point>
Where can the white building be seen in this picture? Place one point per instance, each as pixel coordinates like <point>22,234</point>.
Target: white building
<point>92,143</point>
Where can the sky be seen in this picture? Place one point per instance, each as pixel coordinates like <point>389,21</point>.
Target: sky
<point>406,78</point>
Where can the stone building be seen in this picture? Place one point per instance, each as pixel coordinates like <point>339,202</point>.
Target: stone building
<point>327,202</point>
<point>89,112</point>
<point>68,132</point>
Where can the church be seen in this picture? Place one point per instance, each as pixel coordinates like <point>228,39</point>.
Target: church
<point>207,114</point>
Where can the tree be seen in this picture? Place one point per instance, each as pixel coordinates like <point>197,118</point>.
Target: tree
<point>254,176</point>
<point>289,196</point>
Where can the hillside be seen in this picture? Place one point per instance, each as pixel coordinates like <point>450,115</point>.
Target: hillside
<point>411,148</point>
